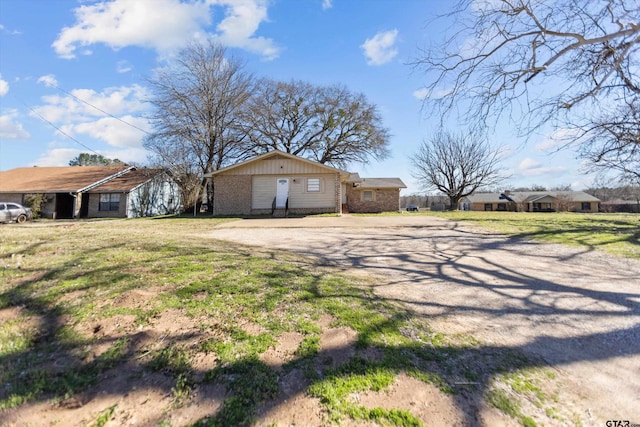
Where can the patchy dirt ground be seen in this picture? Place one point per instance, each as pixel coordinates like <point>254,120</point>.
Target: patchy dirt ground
<point>575,308</point>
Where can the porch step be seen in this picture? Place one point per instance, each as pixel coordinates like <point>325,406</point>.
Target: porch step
<point>280,213</point>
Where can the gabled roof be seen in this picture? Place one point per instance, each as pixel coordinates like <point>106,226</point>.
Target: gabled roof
<point>487,198</point>
<point>353,177</point>
<point>62,179</point>
<point>531,196</point>
<point>128,181</point>
<point>367,183</point>
<point>270,154</point>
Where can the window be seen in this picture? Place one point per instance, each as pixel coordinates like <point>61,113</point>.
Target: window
<point>488,207</point>
<point>109,202</point>
<point>313,185</point>
<point>586,206</point>
<point>502,206</point>
<point>367,196</point>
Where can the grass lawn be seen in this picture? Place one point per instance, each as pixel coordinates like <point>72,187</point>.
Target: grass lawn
<point>109,308</point>
<point>617,234</point>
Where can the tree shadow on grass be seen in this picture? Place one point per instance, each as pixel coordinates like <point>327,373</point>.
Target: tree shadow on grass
<point>54,365</point>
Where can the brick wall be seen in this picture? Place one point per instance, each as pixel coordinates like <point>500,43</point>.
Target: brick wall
<point>95,212</point>
<point>338,186</point>
<point>232,195</point>
<point>385,200</point>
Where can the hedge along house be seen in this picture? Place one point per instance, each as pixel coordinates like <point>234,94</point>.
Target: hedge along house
<point>278,183</point>
<point>75,191</point>
<point>532,201</point>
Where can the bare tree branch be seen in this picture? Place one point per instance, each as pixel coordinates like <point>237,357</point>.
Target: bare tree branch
<point>197,100</point>
<point>538,62</point>
<point>456,165</point>
<point>327,124</point>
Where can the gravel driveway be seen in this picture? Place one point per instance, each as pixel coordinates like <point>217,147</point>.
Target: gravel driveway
<point>576,308</point>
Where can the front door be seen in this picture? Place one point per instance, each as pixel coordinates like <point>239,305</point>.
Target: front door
<point>282,192</point>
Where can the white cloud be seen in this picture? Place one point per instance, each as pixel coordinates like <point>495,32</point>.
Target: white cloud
<point>421,93</point>
<point>327,4</point>
<point>530,167</point>
<point>58,157</point>
<point>114,132</point>
<point>123,67</point>
<point>243,17</point>
<point>10,128</point>
<point>85,114</point>
<point>49,80</point>
<point>4,86</point>
<point>115,101</point>
<point>164,25</point>
<point>380,49</point>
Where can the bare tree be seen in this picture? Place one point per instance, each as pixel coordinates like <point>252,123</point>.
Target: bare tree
<point>197,100</point>
<point>612,142</point>
<point>456,165</point>
<point>570,63</point>
<point>326,124</point>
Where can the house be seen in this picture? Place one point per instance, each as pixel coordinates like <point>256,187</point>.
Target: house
<point>370,195</point>
<point>279,183</point>
<point>138,193</point>
<point>92,191</point>
<point>531,201</point>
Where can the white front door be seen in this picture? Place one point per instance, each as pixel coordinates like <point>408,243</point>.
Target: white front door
<point>282,192</point>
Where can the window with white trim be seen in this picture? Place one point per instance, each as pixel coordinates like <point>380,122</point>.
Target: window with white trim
<point>313,185</point>
<point>367,196</point>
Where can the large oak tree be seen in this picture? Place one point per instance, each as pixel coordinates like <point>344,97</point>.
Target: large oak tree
<point>327,124</point>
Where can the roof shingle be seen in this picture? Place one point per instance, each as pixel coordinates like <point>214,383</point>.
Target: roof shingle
<point>54,179</point>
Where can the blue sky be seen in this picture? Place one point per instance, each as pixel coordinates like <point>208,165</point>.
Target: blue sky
<point>68,67</point>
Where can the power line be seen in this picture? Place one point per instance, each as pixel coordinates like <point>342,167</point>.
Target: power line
<point>60,130</point>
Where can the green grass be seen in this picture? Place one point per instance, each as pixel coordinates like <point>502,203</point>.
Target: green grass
<point>618,234</point>
<point>234,303</point>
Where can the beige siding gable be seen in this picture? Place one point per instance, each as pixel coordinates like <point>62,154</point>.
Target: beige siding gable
<point>277,165</point>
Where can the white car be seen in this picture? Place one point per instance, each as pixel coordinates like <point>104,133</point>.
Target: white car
<point>14,212</point>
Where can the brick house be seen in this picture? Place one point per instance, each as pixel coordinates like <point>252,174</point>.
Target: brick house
<point>531,201</point>
<point>92,191</point>
<point>278,183</point>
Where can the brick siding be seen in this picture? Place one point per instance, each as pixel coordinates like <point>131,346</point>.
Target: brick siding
<point>232,195</point>
<point>385,200</point>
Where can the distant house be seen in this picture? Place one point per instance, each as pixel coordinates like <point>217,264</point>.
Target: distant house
<point>531,201</point>
<point>92,191</point>
<point>278,183</point>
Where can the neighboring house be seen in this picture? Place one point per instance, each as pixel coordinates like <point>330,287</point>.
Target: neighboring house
<point>92,191</point>
<point>278,183</point>
<point>138,193</point>
<point>531,201</point>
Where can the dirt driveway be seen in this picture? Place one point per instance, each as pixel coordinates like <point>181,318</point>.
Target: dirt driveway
<point>577,309</point>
